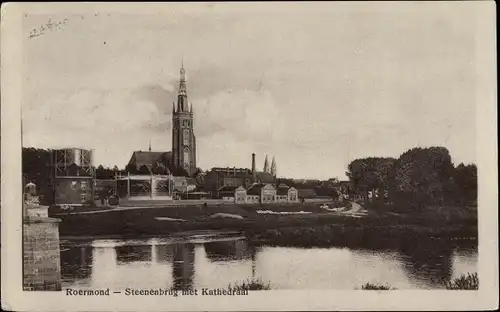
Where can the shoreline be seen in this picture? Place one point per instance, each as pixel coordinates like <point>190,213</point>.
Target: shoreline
<point>316,227</point>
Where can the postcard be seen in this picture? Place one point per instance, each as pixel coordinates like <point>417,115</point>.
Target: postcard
<point>249,156</point>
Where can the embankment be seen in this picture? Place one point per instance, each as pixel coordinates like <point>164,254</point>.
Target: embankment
<point>316,228</point>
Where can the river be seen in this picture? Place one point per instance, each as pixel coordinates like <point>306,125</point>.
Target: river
<point>213,260</point>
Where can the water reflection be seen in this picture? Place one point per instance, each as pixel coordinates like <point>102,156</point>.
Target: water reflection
<point>134,253</point>
<point>227,250</point>
<point>164,253</point>
<point>76,262</point>
<point>218,263</point>
<point>183,266</point>
<point>428,264</point>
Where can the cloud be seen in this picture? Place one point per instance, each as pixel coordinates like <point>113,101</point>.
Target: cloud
<point>109,121</point>
<point>244,114</point>
<point>284,86</point>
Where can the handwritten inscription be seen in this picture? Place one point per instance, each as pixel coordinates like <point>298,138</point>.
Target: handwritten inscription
<point>49,26</point>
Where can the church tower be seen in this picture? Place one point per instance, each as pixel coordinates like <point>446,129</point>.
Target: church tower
<point>273,167</point>
<point>266,165</point>
<point>183,138</point>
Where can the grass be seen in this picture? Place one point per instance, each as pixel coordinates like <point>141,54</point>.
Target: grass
<point>315,229</point>
<point>251,284</point>
<point>370,286</point>
<point>469,281</point>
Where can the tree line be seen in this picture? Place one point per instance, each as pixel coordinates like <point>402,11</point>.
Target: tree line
<point>419,177</point>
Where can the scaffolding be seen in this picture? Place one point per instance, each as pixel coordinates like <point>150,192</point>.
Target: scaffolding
<point>145,187</point>
<point>73,162</point>
<point>73,167</point>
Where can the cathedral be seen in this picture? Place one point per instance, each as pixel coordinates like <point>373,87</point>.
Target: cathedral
<point>183,154</point>
<point>183,138</point>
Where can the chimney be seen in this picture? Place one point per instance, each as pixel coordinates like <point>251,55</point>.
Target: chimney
<point>254,173</point>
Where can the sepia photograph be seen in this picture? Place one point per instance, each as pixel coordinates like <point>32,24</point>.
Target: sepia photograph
<point>223,149</point>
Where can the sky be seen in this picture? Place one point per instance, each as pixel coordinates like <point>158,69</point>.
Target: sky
<point>315,85</point>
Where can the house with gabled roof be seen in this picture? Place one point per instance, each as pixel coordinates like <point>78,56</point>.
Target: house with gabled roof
<point>286,194</point>
<point>265,192</point>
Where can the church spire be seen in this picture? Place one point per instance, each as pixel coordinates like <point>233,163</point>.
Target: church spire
<point>182,102</point>
<point>266,165</point>
<point>150,145</point>
<point>173,108</point>
<point>273,167</point>
<point>182,81</point>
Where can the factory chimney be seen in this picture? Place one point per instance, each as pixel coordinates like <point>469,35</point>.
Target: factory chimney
<point>254,173</point>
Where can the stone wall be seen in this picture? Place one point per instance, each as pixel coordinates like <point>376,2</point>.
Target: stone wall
<point>42,268</point>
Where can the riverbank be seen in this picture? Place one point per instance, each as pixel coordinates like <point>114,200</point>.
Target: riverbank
<point>313,227</point>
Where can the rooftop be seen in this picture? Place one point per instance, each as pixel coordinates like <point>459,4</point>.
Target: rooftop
<point>140,158</point>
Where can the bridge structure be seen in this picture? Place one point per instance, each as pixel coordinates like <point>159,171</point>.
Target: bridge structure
<point>41,252</point>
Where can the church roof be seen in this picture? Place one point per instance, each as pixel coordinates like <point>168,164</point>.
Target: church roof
<point>265,177</point>
<point>140,158</point>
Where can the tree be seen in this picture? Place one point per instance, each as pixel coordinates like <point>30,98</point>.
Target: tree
<point>131,168</point>
<point>181,172</point>
<point>37,168</point>
<point>466,181</point>
<point>158,168</point>
<point>178,171</point>
<point>334,180</point>
<point>144,170</point>
<point>422,176</point>
<point>370,174</point>
<point>99,172</point>
<point>105,173</point>
<point>288,182</point>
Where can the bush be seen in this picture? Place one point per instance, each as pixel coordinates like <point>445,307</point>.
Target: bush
<point>369,286</point>
<point>464,282</point>
<point>253,284</point>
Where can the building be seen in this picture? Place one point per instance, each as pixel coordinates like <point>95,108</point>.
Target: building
<point>104,188</point>
<point>183,153</point>
<point>273,168</point>
<point>183,137</point>
<point>286,194</point>
<point>145,187</point>
<point>266,193</point>
<point>184,184</point>
<point>73,177</point>
<point>218,177</point>
<point>150,159</point>
<point>240,195</point>
<point>227,192</point>
<point>263,193</point>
